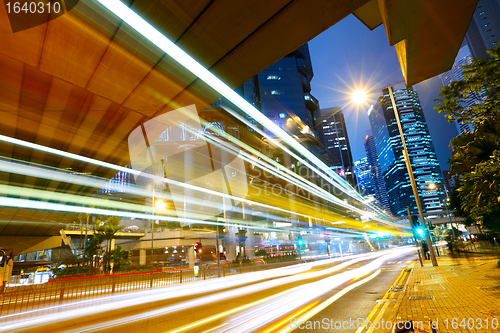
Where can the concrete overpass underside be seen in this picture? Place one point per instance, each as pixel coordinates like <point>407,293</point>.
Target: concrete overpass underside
<point>82,82</point>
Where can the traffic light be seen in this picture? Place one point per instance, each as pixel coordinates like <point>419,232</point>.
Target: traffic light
<point>198,247</point>
<point>418,229</point>
<point>300,242</point>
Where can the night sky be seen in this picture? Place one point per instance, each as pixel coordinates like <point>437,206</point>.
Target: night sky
<point>349,56</point>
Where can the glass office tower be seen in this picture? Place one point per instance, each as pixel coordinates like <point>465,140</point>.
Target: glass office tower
<point>332,131</point>
<point>420,150</point>
<point>484,29</point>
<point>463,58</point>
<point>377,177</point>
<point>283,92</point>
<point>363,176</point>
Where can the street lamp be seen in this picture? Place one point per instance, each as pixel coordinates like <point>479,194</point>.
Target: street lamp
<point>155,204</point>
<point>359,97</point>
<point>160,204</point>
<point>433,186</point>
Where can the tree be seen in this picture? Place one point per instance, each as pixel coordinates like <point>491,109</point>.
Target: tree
<point>469,149</point>
<point>481,80</point>
<point>108,230</point>
<point>120,257</point>
<point>475,162</point>
<point>456,208</point>
<point>480,192</point>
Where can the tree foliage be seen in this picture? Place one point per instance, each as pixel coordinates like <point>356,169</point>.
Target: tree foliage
<point>480,192</point>
<point>475,162</point>
<point>481,79</point>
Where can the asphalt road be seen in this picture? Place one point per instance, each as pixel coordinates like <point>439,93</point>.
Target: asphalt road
<point>254,302</point>
<point>359,302</point>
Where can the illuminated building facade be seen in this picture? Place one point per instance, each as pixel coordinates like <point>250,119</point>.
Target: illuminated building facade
<point>484,29</point>
<point>420,150</point>
<point>333,134</point>
<point>376,176</point>
<point>463,58</point>
<point>283,92</point>
<point>363,176</point>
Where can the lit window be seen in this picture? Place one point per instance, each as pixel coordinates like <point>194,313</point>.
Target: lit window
<point>273,77</point>
<point>282,115</point>
<point>276,92</point>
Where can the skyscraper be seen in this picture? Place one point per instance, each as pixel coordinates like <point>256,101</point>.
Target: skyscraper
<point>283,92</point>
<point>332,131</point>
<point>420,150</point>
<point>484,29</point>
<point>463,58</point>
<point>363,176</point>
<point>376,175</point>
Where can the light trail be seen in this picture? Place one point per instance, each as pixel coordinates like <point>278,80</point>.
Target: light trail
<point>279,307</point>
<point>330,301</point>
<point>157,38</point>
<point>284,302</point>
<point>149,32</point>
<point>37,171</point>
<point>33,204</point>
<point>280,276</point>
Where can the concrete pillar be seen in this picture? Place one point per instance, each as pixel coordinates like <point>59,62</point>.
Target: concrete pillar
<point>189,174</point>
<point>142,257</point>
<point>249,250</point>
<point>230,242</point>
<point>190,256</point>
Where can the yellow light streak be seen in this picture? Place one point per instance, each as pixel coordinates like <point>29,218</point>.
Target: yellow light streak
<point>227,313</point>
<point>330,301</point>
<point>292,316</point>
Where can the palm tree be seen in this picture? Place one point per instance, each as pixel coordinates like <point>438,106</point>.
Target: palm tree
<point>108,230</point>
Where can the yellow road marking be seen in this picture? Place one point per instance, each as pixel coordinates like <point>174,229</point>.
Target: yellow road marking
<point>213,329</point>
<point>292,316</point>
<point>386,295</point>
<point>329,301</point>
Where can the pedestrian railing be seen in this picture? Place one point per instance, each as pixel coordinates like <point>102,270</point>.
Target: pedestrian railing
<point>68,292</point>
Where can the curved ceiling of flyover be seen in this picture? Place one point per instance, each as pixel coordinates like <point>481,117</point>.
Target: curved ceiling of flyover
<point>79,92</point>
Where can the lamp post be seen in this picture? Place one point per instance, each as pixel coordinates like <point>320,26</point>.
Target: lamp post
<point>434,186</point>
<point>155,204</point>
<point>359,96</point>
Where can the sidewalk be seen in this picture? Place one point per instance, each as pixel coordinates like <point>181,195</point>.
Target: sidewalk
<point>460,295</point>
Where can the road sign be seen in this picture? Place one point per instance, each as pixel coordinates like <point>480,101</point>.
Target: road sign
<point>474,229</point>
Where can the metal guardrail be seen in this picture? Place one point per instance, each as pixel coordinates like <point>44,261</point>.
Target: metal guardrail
<point>17,302</point>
